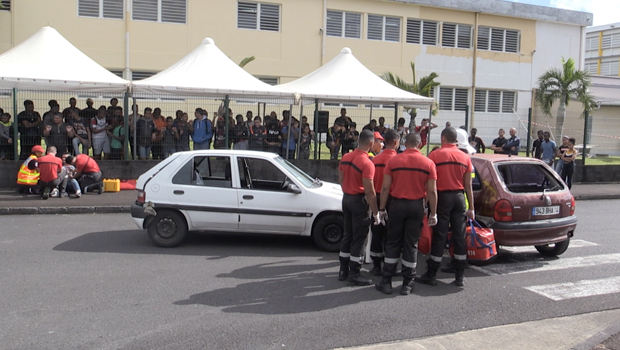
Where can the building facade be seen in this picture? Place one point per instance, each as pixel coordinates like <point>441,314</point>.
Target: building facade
<point>602,54</point>
<point>488,53</point>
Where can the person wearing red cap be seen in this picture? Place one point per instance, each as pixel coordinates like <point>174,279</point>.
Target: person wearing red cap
<point>28,174</point>
<point>454,170</point>
<point>377,146</point>
<point>355,175</point>
<point>409,179</point>
<point>377,244</point>
<point>53,175</point>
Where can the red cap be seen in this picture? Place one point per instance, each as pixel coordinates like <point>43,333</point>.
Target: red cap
<point>37,148</point>
<point>378,136</point>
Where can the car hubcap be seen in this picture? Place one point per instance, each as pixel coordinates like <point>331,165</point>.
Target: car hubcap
<point>333,233</point>
<point>166,228</point>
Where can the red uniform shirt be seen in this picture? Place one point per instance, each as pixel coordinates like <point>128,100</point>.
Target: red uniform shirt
<point>409,171</point>
<point>355,166</point>
<point>451,164</point>
<point>380,161</point>
<point>49,167</point>
<point>85,164</point>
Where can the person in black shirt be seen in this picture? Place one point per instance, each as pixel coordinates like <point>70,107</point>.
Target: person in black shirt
<point>29,127</point>
<point>257,135</point>
<point>537,146</point>
<point>372,126</point>
<point>66,113</point>
<point>58,134</point>
<point>145,133</point>
<point>273,140</point>
<point>89,112</point>
<point>499,142</point>
<point>219,135</point>
<point>476,142</point>
<point>241,133</point>
<point>334,138</point>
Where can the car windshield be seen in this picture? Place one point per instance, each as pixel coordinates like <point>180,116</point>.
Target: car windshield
<point>525,177</point>
<point>304,178</point>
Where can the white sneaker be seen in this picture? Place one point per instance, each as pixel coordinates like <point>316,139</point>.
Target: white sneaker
<point>54,193</point>
<point>78,194</point>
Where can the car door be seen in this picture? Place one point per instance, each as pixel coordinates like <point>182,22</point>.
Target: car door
<point>203,188</point>
<point>265,205</point>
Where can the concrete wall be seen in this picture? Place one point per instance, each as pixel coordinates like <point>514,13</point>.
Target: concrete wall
<point>325,170</point>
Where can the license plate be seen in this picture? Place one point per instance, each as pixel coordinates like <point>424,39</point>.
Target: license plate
<point>546,210</point>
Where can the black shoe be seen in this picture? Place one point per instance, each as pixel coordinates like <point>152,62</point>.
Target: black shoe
<point>375,271</point>
<point>426,279</point>
<point>101,188</point>
<point>460,282</point>
<point>343,275</point>
<point>385,286</point>
<point>358,280</point>
<point>449,269</point>
<point>406,288</point>
<point>459,279</point>
<point>46,193</point>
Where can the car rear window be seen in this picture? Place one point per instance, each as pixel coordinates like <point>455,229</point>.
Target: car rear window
<point>528,177</point>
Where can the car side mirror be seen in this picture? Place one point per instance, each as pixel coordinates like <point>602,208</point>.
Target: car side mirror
<point>293,189</point>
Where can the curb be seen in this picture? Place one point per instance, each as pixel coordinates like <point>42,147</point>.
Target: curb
<point>598,338</point>
<point>65,210</point>
<point>592,197</point>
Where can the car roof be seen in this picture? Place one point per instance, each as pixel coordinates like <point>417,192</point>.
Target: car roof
<point>496,158</point>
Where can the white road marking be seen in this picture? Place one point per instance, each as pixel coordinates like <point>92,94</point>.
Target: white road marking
<point>579,289</point>
<point>549,265</point>
<point>574,243</point>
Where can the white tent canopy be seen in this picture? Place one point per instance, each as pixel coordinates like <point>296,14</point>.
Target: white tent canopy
<point>208,71</point>
<point>47,61</point>
<point>344,78</point>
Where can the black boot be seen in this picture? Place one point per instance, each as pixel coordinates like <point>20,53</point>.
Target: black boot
<point>431,271</point>
<point>376,265</point>
<point>343,274</point>
<point>408,276</point>
<point>385,286</point>
<point>450,268</point>
<point>355,276</point>
<point>459,279</point>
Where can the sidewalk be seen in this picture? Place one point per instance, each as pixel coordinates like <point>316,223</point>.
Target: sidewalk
<point>580,332</point>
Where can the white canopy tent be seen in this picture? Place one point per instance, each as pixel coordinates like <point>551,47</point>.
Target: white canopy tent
<point>47,61</point>
<point>207,71</point>
<point>344,78</point>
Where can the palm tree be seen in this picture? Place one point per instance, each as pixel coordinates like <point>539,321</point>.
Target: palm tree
<point>246,61</point>
<point>424,87</point>
<point>563,85</point>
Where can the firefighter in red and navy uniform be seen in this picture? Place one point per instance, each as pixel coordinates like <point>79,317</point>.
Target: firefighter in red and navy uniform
<point>377,244</point>
<point>409,180</point>
<point>355,175</point>
<point>454,170</point>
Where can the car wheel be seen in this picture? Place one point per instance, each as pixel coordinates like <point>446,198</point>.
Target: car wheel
<point>168,229</point>
<point>328,232</point>
<point>553,249</point>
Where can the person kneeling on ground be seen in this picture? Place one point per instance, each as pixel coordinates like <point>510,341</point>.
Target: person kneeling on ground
<point>52,175</point>
<point>72,185</point>
<point>87,173</point>
<point>28,174</point>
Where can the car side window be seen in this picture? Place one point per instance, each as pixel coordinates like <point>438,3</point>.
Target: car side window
<point>209,171</point>
<point>476,185</point>
<point>264,175</point>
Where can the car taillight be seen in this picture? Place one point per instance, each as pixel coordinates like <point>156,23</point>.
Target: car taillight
<point>141,197</point>
<point>572,205</point>
<point>503,211</point>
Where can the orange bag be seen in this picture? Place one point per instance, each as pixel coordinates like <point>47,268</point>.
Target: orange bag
<point>481,247</point>
<point>424,244</point>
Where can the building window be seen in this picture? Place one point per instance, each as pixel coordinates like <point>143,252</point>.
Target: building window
<point>167,11</point>
<point>344,24</point>
<point>336,104</point>
<point>421,32</point>
<point>258,16</point>
<point>383,28</point>
<point>592,43</point>
<point>591,67</point>
<point>5,5</point>
<point>610,67</point>
<point>379,106</point>
<point>139,75</point>
<point>101,8</point>
<point>269,80</point>
<point>495,101</point>
<point>456,35</point>
<point>497,39</point>
<point>453,99</point>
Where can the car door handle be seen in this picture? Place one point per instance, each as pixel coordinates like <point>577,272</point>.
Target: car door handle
<point>248,197</point>
<point>179,192</point>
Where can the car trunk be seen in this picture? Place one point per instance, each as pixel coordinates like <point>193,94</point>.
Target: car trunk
<point>534,191</point>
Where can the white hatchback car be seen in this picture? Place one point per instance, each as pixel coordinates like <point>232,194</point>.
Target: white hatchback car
<point>236,191</point>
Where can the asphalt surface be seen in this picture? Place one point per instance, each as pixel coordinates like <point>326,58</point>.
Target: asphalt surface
<point>96,281</point>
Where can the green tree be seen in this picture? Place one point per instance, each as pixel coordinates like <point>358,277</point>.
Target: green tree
<point>246,60</point>
<point>423,87</point>
<point>563,84</point>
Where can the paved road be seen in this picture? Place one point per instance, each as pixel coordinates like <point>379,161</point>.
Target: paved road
<point>95,281</point>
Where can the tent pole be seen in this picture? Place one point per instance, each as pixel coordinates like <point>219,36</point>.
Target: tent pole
<point>369,119</point>
<point>395,116</point>
<point>290,126</point>
<point>226,118</point>
<point>257,113</point>
<point>135,122</point>
<point>126,125</point>
<point>301,114</point>
<point>15,126</point>
<point>316,129</point>
<point>428,133</point>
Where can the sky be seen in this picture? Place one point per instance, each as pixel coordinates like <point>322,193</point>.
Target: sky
<point>605,11</point>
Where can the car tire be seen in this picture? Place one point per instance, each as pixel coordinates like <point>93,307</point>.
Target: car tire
<point>328,232</point>
<point>168,229</point>
<point>553,249</point>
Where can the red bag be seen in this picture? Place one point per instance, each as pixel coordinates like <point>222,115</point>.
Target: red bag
<point>424,244</point>
<point>481,247</point>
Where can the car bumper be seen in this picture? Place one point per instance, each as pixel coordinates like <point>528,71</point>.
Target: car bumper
<point>138,215</point>
<point>537,232</point>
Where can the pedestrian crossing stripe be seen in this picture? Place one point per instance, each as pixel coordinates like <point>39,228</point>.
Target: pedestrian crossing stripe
<point>579,289</point>
<point>549,265</point>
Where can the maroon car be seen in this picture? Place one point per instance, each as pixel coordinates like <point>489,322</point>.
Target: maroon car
<point>524,201</point>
